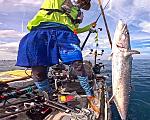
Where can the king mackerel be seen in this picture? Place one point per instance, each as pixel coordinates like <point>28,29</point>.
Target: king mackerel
<point>121,68</point>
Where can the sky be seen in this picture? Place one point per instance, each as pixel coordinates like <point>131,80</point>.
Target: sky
<point>14,15</point>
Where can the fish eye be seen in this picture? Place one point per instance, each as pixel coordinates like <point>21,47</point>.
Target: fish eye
<point>127,32</point>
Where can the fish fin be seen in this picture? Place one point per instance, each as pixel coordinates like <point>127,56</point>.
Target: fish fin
<point>110,57</point>
<point>131,52</point>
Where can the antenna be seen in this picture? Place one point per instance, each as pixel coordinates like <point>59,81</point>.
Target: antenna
<point>22,21</point>
<point>22,26</point>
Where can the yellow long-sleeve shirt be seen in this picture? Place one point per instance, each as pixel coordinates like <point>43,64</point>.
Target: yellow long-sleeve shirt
<point>57,17</point>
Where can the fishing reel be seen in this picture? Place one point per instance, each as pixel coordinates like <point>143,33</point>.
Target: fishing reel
<point>97,68</point>
<point>59,71</point>
<point>4,87</point>
<point>39,112</point>
<point>26,100</point>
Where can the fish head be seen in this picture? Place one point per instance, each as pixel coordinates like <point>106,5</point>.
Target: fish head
<point>122,37</point>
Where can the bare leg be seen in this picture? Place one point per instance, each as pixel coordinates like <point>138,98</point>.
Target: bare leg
<point>83,78</point>
<point>39,75</point>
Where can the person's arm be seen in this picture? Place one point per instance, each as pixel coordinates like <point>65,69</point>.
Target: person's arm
<point>86,28</point>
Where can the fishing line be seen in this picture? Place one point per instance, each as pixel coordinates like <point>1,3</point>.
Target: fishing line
<point>101,13</point>
<point>107,29</point>
<point>92,31</point>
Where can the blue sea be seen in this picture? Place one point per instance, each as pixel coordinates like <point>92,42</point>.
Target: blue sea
<point>139,106</point>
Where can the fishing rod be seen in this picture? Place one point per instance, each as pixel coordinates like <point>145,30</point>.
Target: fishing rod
<point>104,18</point>
<point>21,102</point>
<point>92,31</point>
<point>32,105</point>
<point>60,107</point>
<point>16,94</point>
<point>101,13</point>
<point>37,102</point>
<point>16,112</point>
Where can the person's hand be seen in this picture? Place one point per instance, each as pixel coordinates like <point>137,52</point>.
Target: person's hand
<point>94,24</point>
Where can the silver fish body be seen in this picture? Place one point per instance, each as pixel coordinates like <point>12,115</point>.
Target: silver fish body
<point>121,68</point>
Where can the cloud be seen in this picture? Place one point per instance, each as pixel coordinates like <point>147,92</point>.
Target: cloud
<point>135,12</point>
<point>7,55</point>
<point>17,6</point>
<point>31,2</point>
<point>11,34</point>
<point>11,47</point>
<point>91,44</point>
<point>144,53</point>
<point>8,48</point>
<point>145,25</point>
<point>8,51</point>
<point>129,10</point>
<point>5,14</point>
<point>1,1</point>
<point>34,2</point>
<point>13,2</point>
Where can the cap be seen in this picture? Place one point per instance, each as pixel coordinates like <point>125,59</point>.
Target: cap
<point>85,4</point>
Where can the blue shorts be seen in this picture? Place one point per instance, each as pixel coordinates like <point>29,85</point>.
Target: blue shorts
<point>45,46</point>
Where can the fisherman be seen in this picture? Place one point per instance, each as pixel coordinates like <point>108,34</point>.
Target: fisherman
<point>53,36</point>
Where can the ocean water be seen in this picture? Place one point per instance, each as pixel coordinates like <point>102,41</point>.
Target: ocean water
<point>139,106</point>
